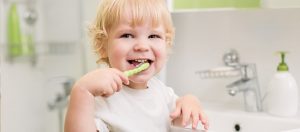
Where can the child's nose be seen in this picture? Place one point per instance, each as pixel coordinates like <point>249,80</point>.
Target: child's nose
<point>141,46</point>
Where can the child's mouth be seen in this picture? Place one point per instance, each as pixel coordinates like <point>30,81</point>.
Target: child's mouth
<point>137,62</point>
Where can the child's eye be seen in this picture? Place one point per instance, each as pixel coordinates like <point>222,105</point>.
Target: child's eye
<point>154,36</point>
<point>126,35</point>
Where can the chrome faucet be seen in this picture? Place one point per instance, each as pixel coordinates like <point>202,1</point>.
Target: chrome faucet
<point>247,84</point>
<point>61,99</point>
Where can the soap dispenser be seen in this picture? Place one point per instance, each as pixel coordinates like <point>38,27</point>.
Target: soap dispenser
<point>282,94</point>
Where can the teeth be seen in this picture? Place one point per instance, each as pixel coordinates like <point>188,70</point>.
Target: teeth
<point>141,61</point>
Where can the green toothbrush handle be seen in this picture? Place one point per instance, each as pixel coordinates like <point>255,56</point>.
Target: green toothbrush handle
<point>137,70</point>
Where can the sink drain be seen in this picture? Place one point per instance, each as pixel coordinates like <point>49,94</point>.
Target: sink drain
<point>237,127</point>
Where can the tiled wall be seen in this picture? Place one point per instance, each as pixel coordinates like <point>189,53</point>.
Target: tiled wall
<point>202,37</point>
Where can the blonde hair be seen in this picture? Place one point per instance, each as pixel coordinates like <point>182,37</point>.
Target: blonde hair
<point>110,12</point>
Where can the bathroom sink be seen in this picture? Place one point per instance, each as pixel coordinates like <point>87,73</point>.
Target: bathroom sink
<point>222,119</point>
<point>179,129</point>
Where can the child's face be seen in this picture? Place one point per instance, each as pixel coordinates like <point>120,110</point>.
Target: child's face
<point>128,46</point>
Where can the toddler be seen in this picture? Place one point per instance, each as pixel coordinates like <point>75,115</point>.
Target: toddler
<point>125,34</point>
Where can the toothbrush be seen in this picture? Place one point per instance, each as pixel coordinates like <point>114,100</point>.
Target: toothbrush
<point>139,68</point>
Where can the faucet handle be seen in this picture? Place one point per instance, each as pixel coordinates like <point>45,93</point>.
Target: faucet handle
<point>238,83</point>
<point>67,85</point>
<point>60,99</point>
<point>231,58</point>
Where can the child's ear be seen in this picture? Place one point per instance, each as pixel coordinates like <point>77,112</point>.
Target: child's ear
<point>103,53</point>
<point>103,50</point>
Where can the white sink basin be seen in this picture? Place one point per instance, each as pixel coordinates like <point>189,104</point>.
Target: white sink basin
<point>222,119</point>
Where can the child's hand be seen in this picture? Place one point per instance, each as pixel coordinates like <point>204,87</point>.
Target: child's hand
<point>103,82</point>
<point>188,110</point>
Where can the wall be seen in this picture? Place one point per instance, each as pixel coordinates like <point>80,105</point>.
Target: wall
<point>1,70</point>
<point>202,37</point>
<point>89,12</point>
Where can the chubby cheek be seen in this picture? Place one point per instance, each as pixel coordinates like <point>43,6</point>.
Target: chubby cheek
<point>116,56</point>
<point>161,58</point>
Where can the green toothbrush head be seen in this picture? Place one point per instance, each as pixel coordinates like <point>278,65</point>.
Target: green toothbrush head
<point>136,70</point>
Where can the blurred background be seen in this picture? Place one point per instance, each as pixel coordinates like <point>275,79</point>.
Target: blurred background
<point>44,49</point>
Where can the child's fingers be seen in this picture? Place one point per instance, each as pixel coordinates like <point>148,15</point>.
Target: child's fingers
<point>176,113</point>
<point>109,91</point>
<point>114,86</point>
<point>204,120</point>
<point>186,114</point>
<point>119,84</point>
<point>206,125</point>
<point>195,117</point>
<point>123,77</point>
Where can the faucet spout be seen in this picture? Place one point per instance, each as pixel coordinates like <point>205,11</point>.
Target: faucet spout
<point>238,83</point>
<point>249,87</point>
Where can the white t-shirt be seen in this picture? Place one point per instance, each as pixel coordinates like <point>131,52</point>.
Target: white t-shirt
<point>132,110</point>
